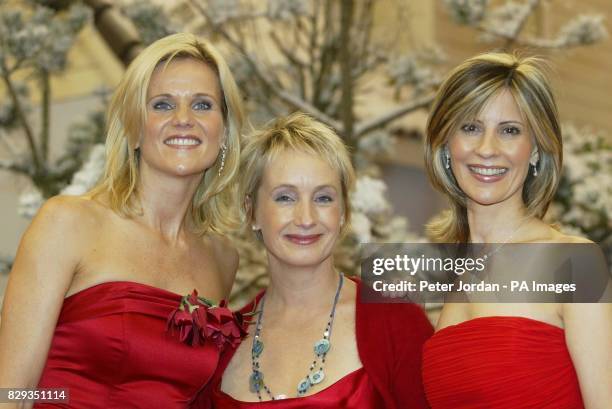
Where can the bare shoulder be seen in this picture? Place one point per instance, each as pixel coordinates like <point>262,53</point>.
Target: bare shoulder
<point>69,207</point>
<point>64,213</point>
<point>560,237</point>
<point>59,232</point>
<point>69,218</point>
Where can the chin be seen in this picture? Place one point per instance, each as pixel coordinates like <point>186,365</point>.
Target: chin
<point>487,201</point>
<point>491,198</point>
<point>304,263</point>
<point>187,168</point>
<point>181,170</point>
<point>302,260</point>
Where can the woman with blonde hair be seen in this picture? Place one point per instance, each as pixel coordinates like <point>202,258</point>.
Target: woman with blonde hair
<point>494,148</point>
<point>313,342</point>
<point>98,278</point>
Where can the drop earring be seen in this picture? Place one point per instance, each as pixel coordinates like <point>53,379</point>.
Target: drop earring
<point>447,161</point>
<point>535,159</point>
<point>223,151</point>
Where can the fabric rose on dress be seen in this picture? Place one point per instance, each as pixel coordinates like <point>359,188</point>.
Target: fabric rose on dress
<point>198,321</point>
<point>224,327</point>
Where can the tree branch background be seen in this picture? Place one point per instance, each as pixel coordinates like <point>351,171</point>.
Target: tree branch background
<point>325,58</point>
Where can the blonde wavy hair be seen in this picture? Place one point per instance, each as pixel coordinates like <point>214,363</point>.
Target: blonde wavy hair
<point>301,133</point>
<point>125,121</point>
<point>461,97</point>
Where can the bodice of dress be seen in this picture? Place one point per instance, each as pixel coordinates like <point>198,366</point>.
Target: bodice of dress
<point>111,350</point>
<point>500,363</point>
<point>353,391</point>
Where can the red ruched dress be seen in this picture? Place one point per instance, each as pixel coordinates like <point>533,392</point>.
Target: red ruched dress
<point>111,350</point>
<point>500,363</point>
<point>353,391</point>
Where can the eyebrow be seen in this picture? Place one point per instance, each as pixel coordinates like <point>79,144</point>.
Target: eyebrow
<point>196,95</point>
<point>295,187</point>
<point>501,123</point>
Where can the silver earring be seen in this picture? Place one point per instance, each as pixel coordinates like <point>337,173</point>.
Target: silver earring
<point>447,164</point>
<point>223,151</point>
<point>535,159</point>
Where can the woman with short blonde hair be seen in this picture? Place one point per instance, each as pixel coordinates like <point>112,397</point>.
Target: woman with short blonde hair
<point>297,132</point>
<point>313,338</point>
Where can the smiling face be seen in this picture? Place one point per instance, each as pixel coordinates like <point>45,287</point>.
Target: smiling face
<point>299,209</point>
<point>490,154</point>
<point>184,126</point>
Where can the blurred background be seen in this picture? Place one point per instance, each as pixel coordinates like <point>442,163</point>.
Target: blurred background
<point>369,68</point>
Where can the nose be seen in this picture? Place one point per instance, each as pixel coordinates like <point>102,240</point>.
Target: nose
<point>305,215</point>
<point>183,116</point>
<point>487,144</point>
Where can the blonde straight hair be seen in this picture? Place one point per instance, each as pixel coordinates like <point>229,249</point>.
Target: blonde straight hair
<point>461,97</point>
<point>212,201</point>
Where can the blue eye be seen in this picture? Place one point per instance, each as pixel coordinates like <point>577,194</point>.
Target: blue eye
<point>324,199</point>
<point>162,106</point>
<point>202,106</point>
<point>283,198</point>
<point>511,130</point>
<point>470,128</point>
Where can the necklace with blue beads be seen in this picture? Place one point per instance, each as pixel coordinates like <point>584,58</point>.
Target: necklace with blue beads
<point>321,348</point>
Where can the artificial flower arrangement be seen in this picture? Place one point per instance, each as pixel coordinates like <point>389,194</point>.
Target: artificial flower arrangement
<point>197,321</point>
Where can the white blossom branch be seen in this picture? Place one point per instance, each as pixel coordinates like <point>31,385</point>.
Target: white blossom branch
<point>532,4</point>
<point>366,126</point>
<point>290,99</point>
<point>15,167</point>
<point>24,121</point>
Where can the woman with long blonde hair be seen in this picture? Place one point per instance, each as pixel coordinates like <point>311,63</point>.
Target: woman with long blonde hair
<point>98,278</point>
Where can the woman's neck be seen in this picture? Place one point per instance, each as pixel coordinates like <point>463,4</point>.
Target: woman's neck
<point>496,223</point>
<point>165,201</point>
<point>300,288</point>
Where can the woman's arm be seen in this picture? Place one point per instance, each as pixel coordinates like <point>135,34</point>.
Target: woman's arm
<point>46,260</point>
<point>588,334</point>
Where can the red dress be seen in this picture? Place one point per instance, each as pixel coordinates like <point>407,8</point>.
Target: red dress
<point>353,391</point>
<point>390,339</point>
<point>500,363</point>
<point>111,350</point>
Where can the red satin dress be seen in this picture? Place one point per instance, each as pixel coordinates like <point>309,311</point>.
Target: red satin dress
<point>354,391</point>
<point>111,350</point>
<point>500,363</point>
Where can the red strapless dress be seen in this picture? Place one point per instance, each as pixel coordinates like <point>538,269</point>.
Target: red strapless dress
<point>354,391</point>
<point>110,349</point>
<point>500,363</point>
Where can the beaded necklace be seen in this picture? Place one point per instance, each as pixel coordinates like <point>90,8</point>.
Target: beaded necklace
<point>321,348</point>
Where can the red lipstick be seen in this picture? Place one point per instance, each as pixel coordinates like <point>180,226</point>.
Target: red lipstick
<point>302,239</point>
